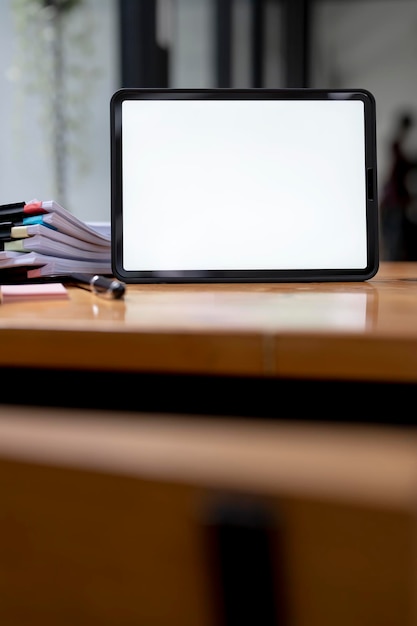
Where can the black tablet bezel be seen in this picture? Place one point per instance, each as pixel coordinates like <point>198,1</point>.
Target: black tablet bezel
<point>270,275</point>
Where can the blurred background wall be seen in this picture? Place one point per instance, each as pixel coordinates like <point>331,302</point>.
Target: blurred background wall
<point>90,40</point>
<point>102,45</point>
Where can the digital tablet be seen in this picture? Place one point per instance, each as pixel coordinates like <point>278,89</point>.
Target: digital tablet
<point>243,185</point>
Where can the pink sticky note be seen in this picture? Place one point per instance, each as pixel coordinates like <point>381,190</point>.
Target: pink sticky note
<point>41,291</point>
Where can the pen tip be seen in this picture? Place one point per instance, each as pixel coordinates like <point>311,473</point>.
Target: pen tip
<point>118,289</point>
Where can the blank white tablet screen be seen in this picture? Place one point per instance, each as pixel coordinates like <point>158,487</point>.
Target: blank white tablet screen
<point>243,184</point>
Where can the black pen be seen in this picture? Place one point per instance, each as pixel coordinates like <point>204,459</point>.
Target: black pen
<point>100,285</point>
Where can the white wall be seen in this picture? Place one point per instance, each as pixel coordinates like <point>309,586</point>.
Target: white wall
<point>26,169</point>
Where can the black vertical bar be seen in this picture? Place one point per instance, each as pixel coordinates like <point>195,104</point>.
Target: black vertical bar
<point>223,21</point>
<point>248,587</point>
<point>296,35</point>
<point>139,50</point>
<point>258,37</point>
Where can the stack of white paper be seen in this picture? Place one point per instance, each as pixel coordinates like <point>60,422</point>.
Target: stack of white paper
<point>47,240</point>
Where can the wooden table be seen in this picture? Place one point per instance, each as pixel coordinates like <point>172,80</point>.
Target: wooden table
<point>190,337</point>
<point>135,517</point>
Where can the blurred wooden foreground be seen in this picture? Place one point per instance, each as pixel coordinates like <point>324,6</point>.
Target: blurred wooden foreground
<point>119,519</point>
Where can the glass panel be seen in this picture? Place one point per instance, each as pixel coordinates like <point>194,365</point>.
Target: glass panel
<point>269,45</point>
<point>192,52</point>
